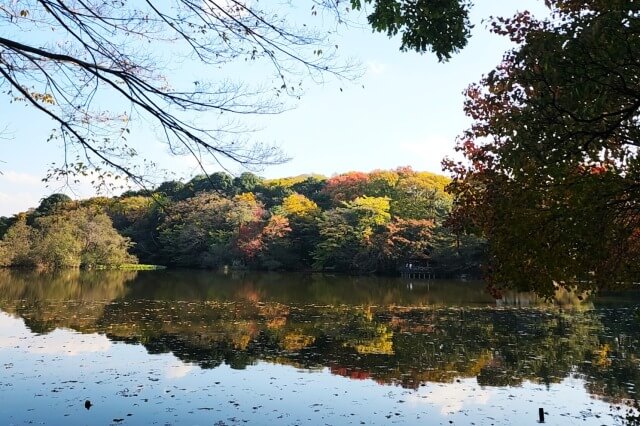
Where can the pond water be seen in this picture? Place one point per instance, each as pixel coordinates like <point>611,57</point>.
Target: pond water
<point>185,347</point>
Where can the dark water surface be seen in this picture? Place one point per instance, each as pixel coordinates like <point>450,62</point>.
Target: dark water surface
<point>184,347</point>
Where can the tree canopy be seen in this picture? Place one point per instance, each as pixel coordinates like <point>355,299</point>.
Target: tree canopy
<point>71,237</point>
<point>551,175</point>
<point>442,26</point>
<point>325,226</point>
<point>93,66</point>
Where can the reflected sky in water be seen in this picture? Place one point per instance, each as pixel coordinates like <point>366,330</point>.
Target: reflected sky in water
<point>180,347</point>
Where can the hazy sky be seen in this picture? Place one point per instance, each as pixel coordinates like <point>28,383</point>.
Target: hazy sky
<point>409,112</point>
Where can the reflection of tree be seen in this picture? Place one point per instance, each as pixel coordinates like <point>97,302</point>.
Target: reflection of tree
<point>305,289</point>
<point>69,284</point>
<point>613,367</point>
<point>66,298</point>
<point>394,345</point>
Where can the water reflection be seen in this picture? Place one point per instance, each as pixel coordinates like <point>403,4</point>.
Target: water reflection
<point>34,295</point>
<point>376,329</point>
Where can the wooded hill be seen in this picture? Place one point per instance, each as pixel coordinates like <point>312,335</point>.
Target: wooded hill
<point>354,222</point>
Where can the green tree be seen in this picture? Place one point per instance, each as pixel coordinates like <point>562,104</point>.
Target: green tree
<point>172,189</point>
<point>346,233</point>
<point>15,246</point>
<point>382,183</point>
<point>137,217</point>
<point>79,237</point>
<point>246,182</point>
<point>271,194</point>
<point>102,245</point>
<point>302,218</point>
<point>313,189</point>
<point>208,230</point>
<point>440,26</point>
<point>58,243</point>
<point>420,195</point>
<point>219,182</point>
<point>76,237</point>
<point>5,223</point>
<point>50,205</point>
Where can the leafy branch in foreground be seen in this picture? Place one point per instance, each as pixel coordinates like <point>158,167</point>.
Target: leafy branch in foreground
<point>442,26</point>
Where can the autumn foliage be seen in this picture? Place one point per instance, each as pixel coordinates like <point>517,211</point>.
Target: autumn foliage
<point>355,222</point>
<point>551,170</point>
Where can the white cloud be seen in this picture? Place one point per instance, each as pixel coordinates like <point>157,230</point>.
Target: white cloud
<point>11,203</point>
<point>58,342</point>
<point>63,342</point>
<point>19,191</point>
<point>17,178</point>
<point>427,153</point>
<point>376,68</point>
<point>177,371</point>
<point>8,323</point>
<point>452,397</point>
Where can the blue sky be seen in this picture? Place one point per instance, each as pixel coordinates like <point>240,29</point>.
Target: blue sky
<point>405,111</point>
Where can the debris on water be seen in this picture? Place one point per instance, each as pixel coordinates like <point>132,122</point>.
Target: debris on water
<point>335,362</point>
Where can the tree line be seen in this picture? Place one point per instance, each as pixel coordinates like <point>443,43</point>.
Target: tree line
<point>354,222</point>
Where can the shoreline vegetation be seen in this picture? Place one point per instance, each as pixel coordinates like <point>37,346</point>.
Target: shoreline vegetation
<point>355,223</point>
<point>123,267</point>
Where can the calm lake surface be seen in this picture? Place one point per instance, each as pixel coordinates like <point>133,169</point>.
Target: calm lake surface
<point>184,347</point>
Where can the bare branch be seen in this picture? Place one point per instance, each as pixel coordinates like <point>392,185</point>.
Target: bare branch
<point>127,53</point>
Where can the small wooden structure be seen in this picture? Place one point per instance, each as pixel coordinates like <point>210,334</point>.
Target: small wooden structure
<point>417,271</point>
